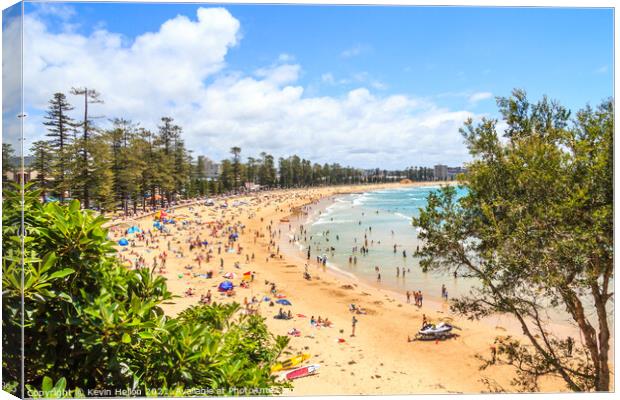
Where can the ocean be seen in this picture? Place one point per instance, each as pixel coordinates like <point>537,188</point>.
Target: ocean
<point>381,221</point>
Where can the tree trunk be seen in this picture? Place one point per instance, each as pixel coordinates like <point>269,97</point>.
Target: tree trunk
<point>602,382</point>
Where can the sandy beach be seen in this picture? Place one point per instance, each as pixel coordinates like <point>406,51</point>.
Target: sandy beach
<point>377,360</point>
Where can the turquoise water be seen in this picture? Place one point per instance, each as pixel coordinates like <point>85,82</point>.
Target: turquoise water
<point>378,220</point>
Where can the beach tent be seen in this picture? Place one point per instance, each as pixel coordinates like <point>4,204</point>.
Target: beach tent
<point>230,275</point>
<point>247,276</point>
<point>134,229</point>
<point>123,242</point>
<point>225,286</point>
<point>284,302</point>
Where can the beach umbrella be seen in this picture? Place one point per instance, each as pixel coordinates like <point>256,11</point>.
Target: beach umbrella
<point>266,298</point>
<point>284,302</point>
<point>225,286</point>
<point>247,276</point>
<point>230,275</point>
<point>123,242</point>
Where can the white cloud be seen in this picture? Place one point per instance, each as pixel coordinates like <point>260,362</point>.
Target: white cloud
<point>171,63</point>
<point>280,74</point>
<point>179,71</point>
<point>479,96</point>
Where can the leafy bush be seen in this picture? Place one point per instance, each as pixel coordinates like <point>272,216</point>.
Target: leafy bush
<point>91,324</point>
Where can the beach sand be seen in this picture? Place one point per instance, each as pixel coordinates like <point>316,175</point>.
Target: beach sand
<point>379,359</point>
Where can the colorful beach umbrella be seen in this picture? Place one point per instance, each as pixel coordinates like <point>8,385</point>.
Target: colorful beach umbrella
<point>123,242</point>
<point>225,286</point>
<point>284,302</point>
<point>230,275</point>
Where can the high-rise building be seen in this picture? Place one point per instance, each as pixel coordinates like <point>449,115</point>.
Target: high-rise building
<point>441,172</point>
<point>454,171</point>
<point>211,168</point>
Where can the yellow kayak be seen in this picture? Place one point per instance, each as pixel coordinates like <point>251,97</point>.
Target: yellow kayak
<point>290,363</point>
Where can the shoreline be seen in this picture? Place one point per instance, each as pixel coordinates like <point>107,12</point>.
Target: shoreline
<point>436,303</point>
<point>378,360</point>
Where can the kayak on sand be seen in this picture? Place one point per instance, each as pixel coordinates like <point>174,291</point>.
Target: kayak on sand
<point>302,372</point>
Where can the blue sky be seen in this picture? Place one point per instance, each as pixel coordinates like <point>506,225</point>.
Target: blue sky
<point>451,59</point>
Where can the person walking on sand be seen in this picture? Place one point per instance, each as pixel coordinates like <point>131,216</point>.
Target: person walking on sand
<point>408,296</point>
<point>353,323</point>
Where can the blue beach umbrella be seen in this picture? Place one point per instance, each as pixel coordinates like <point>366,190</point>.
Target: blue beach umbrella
<point>225,286</point>
<point>123,242</point>
<point>284,302</point>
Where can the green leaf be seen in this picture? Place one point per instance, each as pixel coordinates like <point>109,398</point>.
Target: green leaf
<point>47,384</point>
<point>62,273</point>
<point>60,386</point>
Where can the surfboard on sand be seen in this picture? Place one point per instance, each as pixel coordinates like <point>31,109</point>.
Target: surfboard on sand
<point>290,363</point>
<point>302,372</point>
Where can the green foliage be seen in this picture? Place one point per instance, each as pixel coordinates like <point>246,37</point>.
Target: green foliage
<point>42,164</point>
<point>7,158</point>
<point>91,324</point>
<point>60,129</point>
<point>536,230</point>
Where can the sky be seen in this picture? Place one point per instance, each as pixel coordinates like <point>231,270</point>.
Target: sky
<point>364,86</point>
